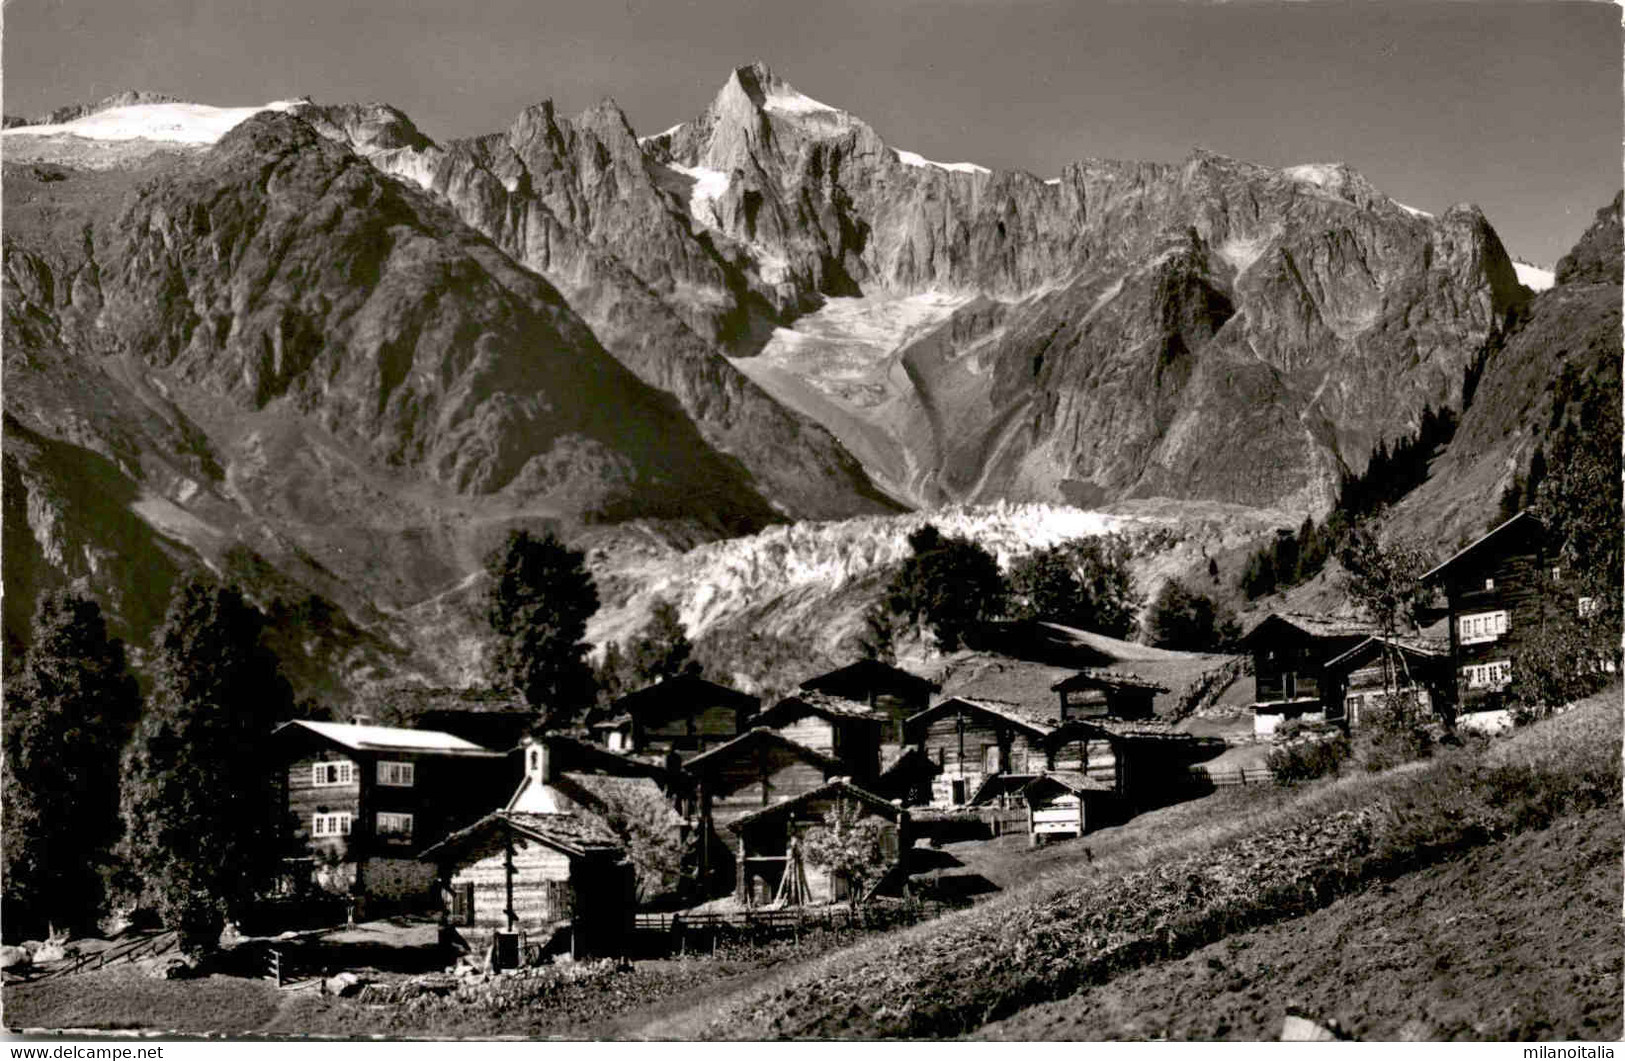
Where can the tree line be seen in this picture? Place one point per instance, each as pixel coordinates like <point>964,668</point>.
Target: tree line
<point>950,588</point>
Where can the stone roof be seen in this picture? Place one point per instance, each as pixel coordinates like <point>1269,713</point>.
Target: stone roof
<point>1318,625</point>
<point>840,785</point>
<point>576,835</point>
<point>1088,679</point>
<point>1073,781</point>
<point>756,735</point>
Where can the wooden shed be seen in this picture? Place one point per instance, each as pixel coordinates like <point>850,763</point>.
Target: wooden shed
<point>514,871</point>
<point>1065,804</point>
<point>1106,694</point>
<point>752,771</point>
<point>890,691</point>
<point>1360,679</point>
<point>969,741</point>
<point>845,730</point>
<point>1290,652</point>
<point>684,715</point>
<point>771,843</point>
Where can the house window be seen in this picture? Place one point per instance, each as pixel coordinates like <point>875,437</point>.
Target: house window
<point>1488,675</point>
<point>335,773</point>
<point>1489,583</point>
<point>990,758</point>
<point>1588,606</point>
<point>1483,626</point>
<point>399,775</point>
<point>330,825</point>
<point>397,827</point>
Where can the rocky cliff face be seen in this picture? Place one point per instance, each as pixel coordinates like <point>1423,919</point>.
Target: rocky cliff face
<point>272,348</point>
<point>1571,330</point>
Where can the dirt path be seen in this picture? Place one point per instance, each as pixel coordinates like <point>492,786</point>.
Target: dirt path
<point>1517,941</point>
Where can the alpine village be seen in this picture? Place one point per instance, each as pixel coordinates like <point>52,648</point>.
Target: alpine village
<point>346,689</point>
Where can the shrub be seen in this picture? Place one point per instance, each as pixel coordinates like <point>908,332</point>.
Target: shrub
<point>1393,734</point>
<point>1305,760</point>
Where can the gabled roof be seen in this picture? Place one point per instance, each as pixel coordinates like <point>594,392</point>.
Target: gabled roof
<point>820,704</point>
<point>868,672</point>
<point>1102,679</point>
<point>749,739</point>
<point>570,834</point>
<point>390,739</point>
<point>1041,723</point>
<point>840,786</point>
<point>686,690</point>
<point>1318,626</point>
<point>1524,522</point>
<point>1419,648</point>
<point>1073,781</point>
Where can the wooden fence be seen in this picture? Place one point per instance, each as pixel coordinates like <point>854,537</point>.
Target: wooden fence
<point>125,951</point>
<point>758,925</point>
<point>1225,778</point>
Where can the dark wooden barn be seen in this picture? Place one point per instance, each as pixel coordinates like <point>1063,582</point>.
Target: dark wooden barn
<point>534,874</point>
<point>1496,588</point>
<point>1290,652</point>
<point>890,691</point>
<point>755,770</point>
<point>845,730</point>
<point>360,802</point>
<point>772,842</point>
<point>683,715</point>
<point>1360,680</point>
<point>1106,694</point>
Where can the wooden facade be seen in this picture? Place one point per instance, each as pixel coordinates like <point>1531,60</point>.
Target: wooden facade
<point>753,771</point>
<point>531,873</point>
<point>771,841</point>
<point>1064,805</point>
<point>891,692</point>
<point>1359,681</point>
<point>1290,653</point>
<point>969,741</point>
<point>361,802</point>
<point>682,715</point>
<point>844,730</point>
<point>1497,592</point>
<point>1105,694</point>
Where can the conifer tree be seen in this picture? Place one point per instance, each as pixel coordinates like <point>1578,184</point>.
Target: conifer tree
<point>662,649</point>
<point>68,714</point>
<point>199,815</point>
<point>540,599</point>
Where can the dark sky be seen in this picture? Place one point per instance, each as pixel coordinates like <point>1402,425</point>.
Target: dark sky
<point>1514,106</point>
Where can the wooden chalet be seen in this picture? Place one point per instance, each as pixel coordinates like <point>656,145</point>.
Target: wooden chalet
<point>684,715</point>
<point>754,770</point>
<point>844,730</point>
<point>890,691</point>
<point>1495,589</point>
<point>1361,679</point>
<point>1065,804</point>
<point>531,875</point>
<point>987,751</point>
<point>360,802</point>
<point>769,846</point>
<point>1106,694</point>
<point>1290,652</point>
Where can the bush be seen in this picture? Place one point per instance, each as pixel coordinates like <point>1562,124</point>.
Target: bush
<point>1391,735</point>
<point>1305,760</point>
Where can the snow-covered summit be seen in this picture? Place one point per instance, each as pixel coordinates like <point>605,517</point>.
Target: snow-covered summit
<point>909,158</point>
<point>180,123</point>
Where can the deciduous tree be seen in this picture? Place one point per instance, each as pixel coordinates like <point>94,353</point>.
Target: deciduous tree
<point>950,584</point>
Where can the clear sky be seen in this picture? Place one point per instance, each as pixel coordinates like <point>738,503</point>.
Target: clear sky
<point>1513,105</point>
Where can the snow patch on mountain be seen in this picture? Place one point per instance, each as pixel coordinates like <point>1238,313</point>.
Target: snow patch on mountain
<point>709,186</point>
<point>1240,252</point>
<point>1053,181</point>
<point>1413,211</point>
<point>659,135</point>
<point>1533,276</point>
<point>180,123</point>
<point>910,158</point>
<point>783,99</point>
<point>1320,174</point>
